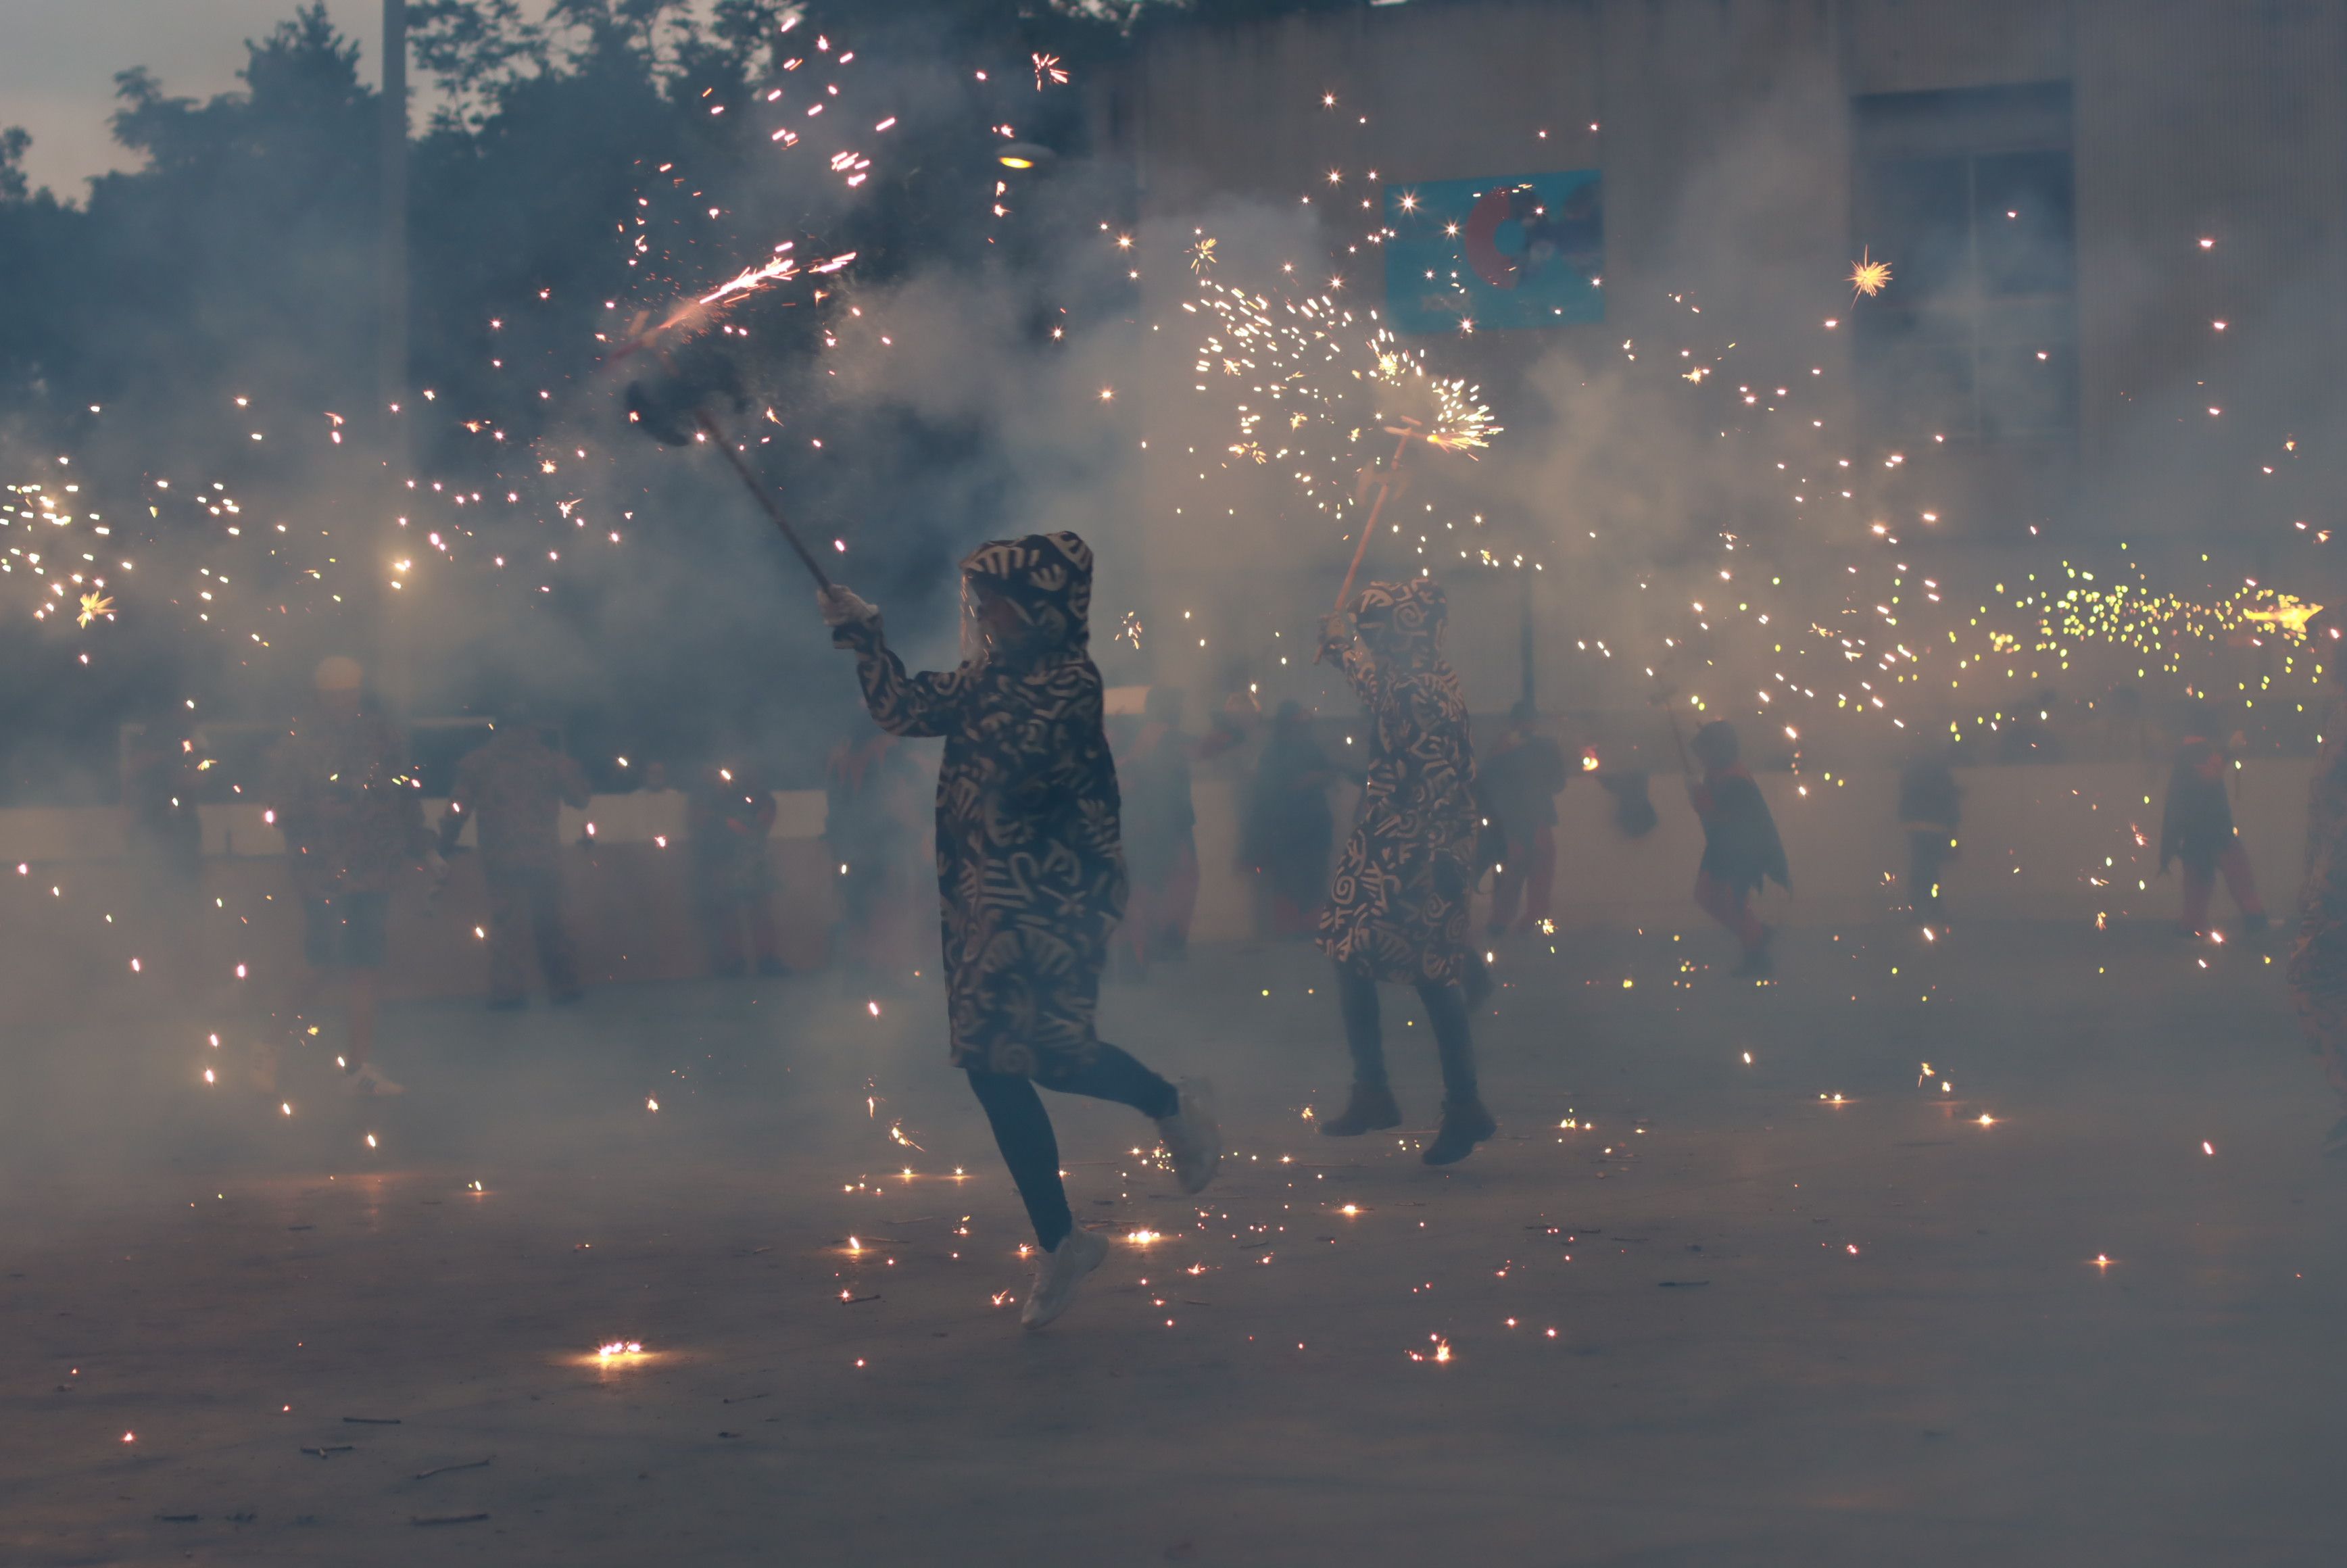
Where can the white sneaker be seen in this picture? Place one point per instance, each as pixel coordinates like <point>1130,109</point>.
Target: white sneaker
<point>369,1080</point>
<point>1058,1273</point>
<point>1192,1136</point>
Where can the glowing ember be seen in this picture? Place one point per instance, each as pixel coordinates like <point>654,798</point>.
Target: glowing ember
<point>1866,275</point>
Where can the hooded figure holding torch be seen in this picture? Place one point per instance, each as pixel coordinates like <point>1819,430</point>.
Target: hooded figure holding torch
<point>1031,872</point>
<point>1399,908</point>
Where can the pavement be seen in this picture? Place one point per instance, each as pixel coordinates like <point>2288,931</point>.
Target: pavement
<point>2012,1244</point>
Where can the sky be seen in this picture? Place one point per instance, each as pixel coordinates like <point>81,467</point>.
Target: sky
<point>58,58</point>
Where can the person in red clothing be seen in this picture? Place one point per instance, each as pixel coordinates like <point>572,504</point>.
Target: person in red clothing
<point>1518,784</point>
<point>1741,850</point>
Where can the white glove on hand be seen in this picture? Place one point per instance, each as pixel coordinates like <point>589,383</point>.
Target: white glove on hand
<point>841,607</point>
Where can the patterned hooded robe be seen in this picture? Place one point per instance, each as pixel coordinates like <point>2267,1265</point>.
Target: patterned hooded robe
<point>1027,857</point>
<point>1398,908</point>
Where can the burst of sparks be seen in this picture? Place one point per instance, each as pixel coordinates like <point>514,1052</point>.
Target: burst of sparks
<point>1866,275</point>
<point>1047,68</point>
<point>94,605</point>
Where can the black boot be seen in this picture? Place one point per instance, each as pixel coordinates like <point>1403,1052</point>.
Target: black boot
<point>1367,1110</point>
<point>1463,1127</point>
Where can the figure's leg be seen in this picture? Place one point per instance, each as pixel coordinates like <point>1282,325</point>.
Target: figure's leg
<point>508,939</point>
<point>1371,1107</point>
<point>1446,1013</point>
<point>556,956</point>
<point>1729,907</point>
<point>1357,999</point>
<point>1465,1121</point>
<point>1508,885</point>
<point>1022,1130</point>
<point>2243,884</point>
<point>1180,902</point>
<point>1116,1075</point>
<point>1540,879</point>
<point>766,941</point>
<point>721,919</point>
<point>2199,886</point>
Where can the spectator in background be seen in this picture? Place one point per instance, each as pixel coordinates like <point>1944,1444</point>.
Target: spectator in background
<point>872,825</point>
<point>2196,828</point>
<point>340,792</point>
<point>730,811</point>
<point>1741,850</point>
<point>1160,822</point>
<point>512,787</point>
<point>1289,830</point>
<point>1517,782</point>
<point>2318,965</point>
<point>1929,806</point>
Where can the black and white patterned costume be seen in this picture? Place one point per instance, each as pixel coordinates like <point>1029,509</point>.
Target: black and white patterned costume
<point>1028,856</point>
<point>1398,908</point>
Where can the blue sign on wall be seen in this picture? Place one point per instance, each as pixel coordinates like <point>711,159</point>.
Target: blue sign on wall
<point>1526,250</point>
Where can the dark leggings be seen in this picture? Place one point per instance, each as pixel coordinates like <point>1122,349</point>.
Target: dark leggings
<point>1446,1010</point>
<point>1022,1128</point>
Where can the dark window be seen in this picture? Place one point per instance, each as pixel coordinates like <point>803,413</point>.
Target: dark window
<point>1968,196</point>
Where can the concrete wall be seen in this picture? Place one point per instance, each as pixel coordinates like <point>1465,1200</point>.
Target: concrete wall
<point>1724,136</point>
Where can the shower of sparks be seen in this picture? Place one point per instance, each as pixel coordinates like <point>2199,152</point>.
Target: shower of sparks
<point>1047,68</point>
<point>1866,275</point>
<point>1201,254</point>
<point>94,605</point>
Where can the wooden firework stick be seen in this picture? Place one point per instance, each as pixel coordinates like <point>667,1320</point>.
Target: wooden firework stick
<point>1385,488</point>
<point>717,435</point>
<point>1667,697</point>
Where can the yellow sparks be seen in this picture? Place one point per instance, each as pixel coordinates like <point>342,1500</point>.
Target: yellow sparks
<point>1866,275</point>
<point>2288,614</point>
<point>1201,254</point>
<point>94,605</point>
<point>1047,68</point>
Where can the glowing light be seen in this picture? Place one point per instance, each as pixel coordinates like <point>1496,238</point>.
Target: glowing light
<point>1866,275</point>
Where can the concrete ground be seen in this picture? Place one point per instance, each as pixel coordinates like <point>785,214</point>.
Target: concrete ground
<point>1740,1282</point>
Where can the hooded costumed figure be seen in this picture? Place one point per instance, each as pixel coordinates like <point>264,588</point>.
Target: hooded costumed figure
<point>1741,850</point>
<point>1399,907</point>
<point>1030,872</point>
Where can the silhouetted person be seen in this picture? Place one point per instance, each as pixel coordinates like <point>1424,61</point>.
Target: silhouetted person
<point>1289,831</point>
<point>513,788</point>
<point>730,812</point>
<point>2318,963</point>
<point>1160,826</point>
<point>1030,872</point>
<point>1518,781</point>
<point>1398,910</point>
<point>341,794</point>
<point>872,825</point>
<point>1930,808</point>
<point>1741,850</point>
<point>2196,828</point>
